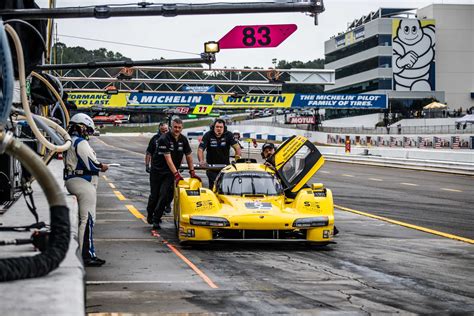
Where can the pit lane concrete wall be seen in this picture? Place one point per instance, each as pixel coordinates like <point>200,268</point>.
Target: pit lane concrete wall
<point>62,291</point>
<point>278,134</point>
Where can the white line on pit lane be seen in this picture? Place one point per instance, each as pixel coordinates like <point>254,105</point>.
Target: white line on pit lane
<point>134,282</point>
<point>105,221</point>
<point>410,184</point>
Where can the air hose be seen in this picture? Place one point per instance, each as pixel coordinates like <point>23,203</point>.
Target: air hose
<point>55,251</point>
<point>57,94</point>
<point>63,116</point>
<point>7,76</point>
<point>24,98</point>
<point>51,128</point>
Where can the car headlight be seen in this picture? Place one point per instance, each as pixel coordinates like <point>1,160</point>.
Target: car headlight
<point>209,221</point>
<point>311,222</point>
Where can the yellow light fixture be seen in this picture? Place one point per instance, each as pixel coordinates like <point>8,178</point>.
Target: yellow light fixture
<point>211,47</point>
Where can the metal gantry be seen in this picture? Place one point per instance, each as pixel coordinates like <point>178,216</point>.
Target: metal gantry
<point>312,7</point>
<point>174,79</point>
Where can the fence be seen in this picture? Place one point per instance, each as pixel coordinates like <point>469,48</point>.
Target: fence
<point>435,129</point>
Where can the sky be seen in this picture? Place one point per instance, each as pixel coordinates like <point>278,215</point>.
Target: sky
<point>188,33</point>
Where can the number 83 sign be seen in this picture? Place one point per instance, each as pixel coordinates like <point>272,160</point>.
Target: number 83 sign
<point>256,36</point>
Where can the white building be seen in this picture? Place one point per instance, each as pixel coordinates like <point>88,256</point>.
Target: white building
<point>454,51</point>
<point>407,54</point>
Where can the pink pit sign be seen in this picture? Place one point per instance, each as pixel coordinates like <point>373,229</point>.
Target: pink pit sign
<point>256,36</point>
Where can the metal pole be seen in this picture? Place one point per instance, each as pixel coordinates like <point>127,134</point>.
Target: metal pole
<point>168,10</point>
<point>125,63</point>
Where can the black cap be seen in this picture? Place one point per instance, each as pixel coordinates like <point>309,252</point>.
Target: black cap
<point>268,145</point>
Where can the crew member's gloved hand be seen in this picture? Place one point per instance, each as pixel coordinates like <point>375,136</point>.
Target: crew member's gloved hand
<point>194,175</point>
<point>203,164</point>
<point>177,177</point>
<point>147,169</point>
<point>236,157</point>
<point>104,167</point>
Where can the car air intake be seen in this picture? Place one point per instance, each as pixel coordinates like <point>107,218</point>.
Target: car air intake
<point>243,234</point>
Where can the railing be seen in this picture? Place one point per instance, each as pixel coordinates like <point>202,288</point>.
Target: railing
<point>404,130</point>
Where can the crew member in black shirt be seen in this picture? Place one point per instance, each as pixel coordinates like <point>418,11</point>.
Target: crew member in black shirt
<point>150,151</point>
<point>172,146</point>
<point>217,142</point>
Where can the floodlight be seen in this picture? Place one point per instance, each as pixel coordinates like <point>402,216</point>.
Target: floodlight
<point>211,47</point>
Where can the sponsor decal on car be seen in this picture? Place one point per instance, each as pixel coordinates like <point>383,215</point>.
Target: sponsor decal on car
<point>204,205</point>
<point>319,193</point>
<point>258,205</point>
<point>312,206</point>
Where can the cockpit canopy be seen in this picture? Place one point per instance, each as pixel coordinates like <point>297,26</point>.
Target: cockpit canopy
<point>249,183</point>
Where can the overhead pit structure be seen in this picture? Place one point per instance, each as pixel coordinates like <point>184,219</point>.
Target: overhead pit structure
<point>312,7</point>
<point>175,79</point>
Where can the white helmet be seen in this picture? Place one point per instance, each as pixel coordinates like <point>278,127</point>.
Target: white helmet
<point>81,118</point>
<point>235,131</point>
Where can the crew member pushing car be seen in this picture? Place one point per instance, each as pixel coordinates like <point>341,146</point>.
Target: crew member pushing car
<point>150,159</point>
<point>172,146</point>
<point>217,143</point>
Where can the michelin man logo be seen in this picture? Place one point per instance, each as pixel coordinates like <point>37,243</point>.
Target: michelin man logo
<point>413,55</point>
<point>217,100</point>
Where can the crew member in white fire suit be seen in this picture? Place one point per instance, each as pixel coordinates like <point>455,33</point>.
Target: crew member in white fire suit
<point>81,173</point>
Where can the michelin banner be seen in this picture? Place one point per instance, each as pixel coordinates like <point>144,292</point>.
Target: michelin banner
<point>169,99</point>
<point>341,101</point>
<point>253,101</point>
<point>200,100</point>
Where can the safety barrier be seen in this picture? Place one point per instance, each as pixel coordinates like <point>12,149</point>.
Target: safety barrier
<point>451,167</point>
<point>418,164</point>
<point>436,129</point>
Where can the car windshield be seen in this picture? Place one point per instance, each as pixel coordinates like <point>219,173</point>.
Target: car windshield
<point>240,183</point>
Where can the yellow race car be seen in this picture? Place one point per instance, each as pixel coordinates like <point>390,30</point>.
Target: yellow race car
<point>253,201</point>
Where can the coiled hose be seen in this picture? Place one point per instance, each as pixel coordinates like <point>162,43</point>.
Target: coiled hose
<point>45,262</point>
<point>24,98</point>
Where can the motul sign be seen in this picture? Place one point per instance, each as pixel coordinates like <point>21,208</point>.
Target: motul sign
<point>302,120</point>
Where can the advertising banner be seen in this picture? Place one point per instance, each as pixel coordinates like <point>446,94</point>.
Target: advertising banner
<point>413,54</point>
<point>301,120</point>
<point>168,99</point>
<point>253,101</point>
<point>199,89</point>
<point>202,103</point>
<point>97,99</point>
<point>341,101</point>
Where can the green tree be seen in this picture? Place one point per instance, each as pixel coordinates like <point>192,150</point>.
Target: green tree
<point>299,88</point>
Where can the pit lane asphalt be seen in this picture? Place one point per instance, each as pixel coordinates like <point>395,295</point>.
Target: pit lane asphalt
<point>376,267</point>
